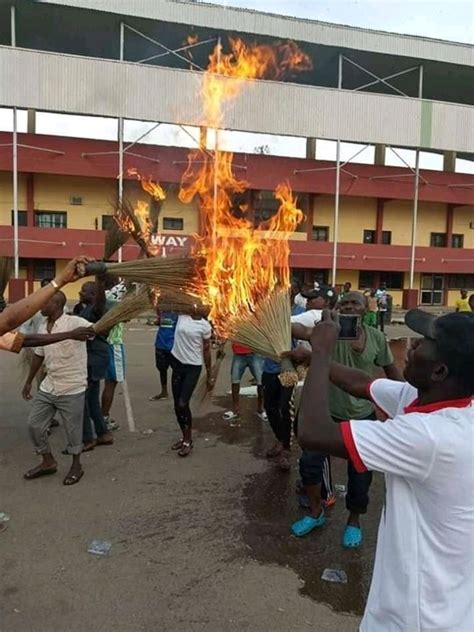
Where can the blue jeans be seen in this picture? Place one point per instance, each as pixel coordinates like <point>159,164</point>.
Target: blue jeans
<point>93,412</point>
<point>250,361</point>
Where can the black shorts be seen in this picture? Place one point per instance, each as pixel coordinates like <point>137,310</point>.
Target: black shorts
<point>162,359</point>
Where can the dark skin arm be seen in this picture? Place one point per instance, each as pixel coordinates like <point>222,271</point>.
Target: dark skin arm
<point>41,340</point>
<point>316,429</point>
<point>208,362</point>
<point>14,315</point>
<point>35,367</point>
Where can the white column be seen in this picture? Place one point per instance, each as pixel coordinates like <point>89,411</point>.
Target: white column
<point>16,250</point>
<point>415,198</point>
<point>337,192</point>
<point>120,138</point>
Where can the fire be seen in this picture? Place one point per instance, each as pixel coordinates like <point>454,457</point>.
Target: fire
<point>243,264</point>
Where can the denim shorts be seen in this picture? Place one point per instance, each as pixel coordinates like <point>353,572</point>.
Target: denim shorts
<point>250,361</point>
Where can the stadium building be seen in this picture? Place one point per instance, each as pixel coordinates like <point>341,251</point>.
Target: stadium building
<point>410,226</point>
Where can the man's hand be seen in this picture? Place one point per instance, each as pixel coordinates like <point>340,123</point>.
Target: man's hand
<point>26,392</point>
<point>326,333</point>
<point>299,355</point>
<point>83,333</point>
<point>72,271</point>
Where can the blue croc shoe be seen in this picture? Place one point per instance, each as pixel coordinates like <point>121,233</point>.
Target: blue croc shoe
<point>307,524</point>
<point>352,537</point>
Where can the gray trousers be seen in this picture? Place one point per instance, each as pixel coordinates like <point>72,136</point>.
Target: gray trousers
<point>70,409</point>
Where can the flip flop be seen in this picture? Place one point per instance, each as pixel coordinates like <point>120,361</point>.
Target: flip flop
<point>72,479</point>
<point>39,471</point>
<point>230,416</point>
<point>88,447</point>
<point>352,537</point>
<point>307,524</point>
<point>156,398</point>
<point>263,416</point>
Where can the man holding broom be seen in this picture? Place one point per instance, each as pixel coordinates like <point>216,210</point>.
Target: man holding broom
<point>62,390</point>
<point>92,306</point>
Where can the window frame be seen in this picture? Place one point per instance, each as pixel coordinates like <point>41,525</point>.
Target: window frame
<point>173,219</point>
<point>461,238</point>
<point>22,218</point>
<point>53,214</point>
<point>373,234</point>
<point>42,262</point>
<point>432,239</point>
<point>318,228</point>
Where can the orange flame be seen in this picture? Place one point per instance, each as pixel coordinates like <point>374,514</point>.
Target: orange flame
<point>243,264</point>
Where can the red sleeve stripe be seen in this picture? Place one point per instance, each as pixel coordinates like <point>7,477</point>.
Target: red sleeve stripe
<point>368,391</point>
<point>351,448</point>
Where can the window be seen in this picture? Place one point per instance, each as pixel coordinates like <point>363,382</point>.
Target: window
<point>321,233</point>
<point>457,241</point>
<point>76,200</point>
<point>173,223</point>
<point>387,237</point>
<point>50,219</point>
<point>460,281</point>
<point>369,237</point>
<point>370,279</point>
<point>22,218</point>
<point>265,206</point>
<point>44,269</point>
<point>107,221</point>
<point>438,240</point>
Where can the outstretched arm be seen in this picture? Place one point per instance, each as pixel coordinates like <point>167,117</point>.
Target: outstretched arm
<point>14,315</point>
<point>41,340</point>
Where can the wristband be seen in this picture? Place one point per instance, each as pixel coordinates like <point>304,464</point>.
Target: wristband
<point>55,284</point>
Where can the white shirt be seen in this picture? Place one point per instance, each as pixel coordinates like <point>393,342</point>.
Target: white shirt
<point>65,362</point>
<point>188,338</point>
<point>423,578</point>
<point>308,319</point>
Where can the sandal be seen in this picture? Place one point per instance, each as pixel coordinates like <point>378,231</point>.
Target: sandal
<point>283,461</point>
<point>39,471</point>
<point>275,451</point>
<point>178,445</point>
<point>262,416</point>
<point>87,447</point>
<point>72,478</point>
<point>307,524</point>
<point>185,449</point>
<point>352,537</point>
<point>156,398</point>
<point>102,441</point>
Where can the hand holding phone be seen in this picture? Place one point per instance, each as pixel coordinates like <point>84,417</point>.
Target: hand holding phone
<point>350,326</point>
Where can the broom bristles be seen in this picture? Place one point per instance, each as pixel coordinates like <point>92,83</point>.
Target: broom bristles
<point>170,274</point>
<point>132,305</point>
<point>267,330</point>
<point>115,238</point>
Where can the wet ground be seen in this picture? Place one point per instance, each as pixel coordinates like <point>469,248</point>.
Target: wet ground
<point>197,544</point>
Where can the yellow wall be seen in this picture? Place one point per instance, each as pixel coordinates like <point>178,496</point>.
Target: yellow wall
<point>355,216</point>
<point>6,196</point>
<point>462,217</point>
<point>53,193</point>
<point>397,218</point>
<point>431,219</point>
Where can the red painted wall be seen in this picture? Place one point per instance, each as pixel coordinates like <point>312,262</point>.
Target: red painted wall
<point>261,172</point>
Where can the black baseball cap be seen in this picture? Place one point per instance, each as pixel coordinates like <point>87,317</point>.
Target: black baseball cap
<point>453,334</point>
<point>326,291</point>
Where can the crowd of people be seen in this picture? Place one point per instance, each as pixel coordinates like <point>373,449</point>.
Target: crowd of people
<point>416,428</point>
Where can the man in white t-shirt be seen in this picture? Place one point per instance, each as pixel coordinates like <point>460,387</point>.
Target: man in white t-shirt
<point>423,577</point>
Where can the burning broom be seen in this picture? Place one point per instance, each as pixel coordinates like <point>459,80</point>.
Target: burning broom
<point>170,274</point>
<point>132,305</point>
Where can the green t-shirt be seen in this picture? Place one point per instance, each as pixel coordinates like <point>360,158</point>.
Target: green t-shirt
<point>375,354</point>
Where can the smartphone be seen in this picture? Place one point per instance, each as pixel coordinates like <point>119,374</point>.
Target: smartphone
<point>350,326</point>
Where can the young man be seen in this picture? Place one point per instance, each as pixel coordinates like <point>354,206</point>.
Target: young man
<point>278,399</point>
<point>115,290</point>
<point>382,303</point>
<point>424,565</point>
<point>62,390</point>
<point>347,287</point>
<point>92,306</point>
<point>242,359</point>
<point>368,352</point>
<point>163,344</point>
<point>462,303</point>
